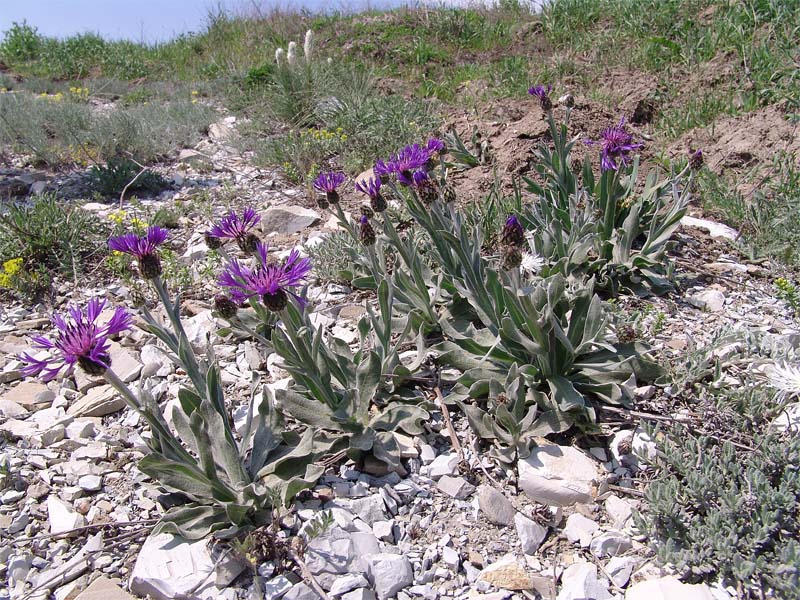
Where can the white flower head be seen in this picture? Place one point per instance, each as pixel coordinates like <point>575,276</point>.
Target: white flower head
<point>291,55</point>
<point>532,263</point>
<point>308,45</point>
<point>279,54</point>
<point>330,60</point>
<point>785,378</point>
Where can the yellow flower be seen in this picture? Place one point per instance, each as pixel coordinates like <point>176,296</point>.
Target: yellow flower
<point>13,266</point>
<point>117,216</point>
<point>138,223</point>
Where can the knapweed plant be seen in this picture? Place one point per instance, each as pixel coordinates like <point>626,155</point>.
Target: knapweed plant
<point>611,228</point>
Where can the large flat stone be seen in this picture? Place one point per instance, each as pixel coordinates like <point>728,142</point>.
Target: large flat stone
<point>103,588</point>
<point>99,402</point>
<point>288,219</point>
<point>558,476</point>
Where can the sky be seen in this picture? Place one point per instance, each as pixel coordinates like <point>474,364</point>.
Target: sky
<point>147,20</point>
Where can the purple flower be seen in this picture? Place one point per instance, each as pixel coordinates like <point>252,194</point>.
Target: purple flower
<point>372,188</point>
<point>327,183</point>
<point>435,145</point>
<point>269,281</point>
<point>143,248</point>
<point>616,144</point>
<point>383,170</point>
<point>232,227</point>
<point>80,339</point>
<point>543,93</point>
<point>410,159</point>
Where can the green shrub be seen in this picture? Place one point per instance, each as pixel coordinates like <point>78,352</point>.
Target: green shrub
<point>121,173</point>
<point>720,510</point>
<point>20,43</point>
<point>49,237</point>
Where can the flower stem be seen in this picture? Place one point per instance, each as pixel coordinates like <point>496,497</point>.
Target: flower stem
<point>344,222</point>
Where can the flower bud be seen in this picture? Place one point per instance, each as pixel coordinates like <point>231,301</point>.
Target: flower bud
<point>512,258</point>
<point>225,307</point>
<point>367,211</point>
<point>366,232</point>
<point>696,160</point>
<point>567,100</point>
<point>513,234</point>
<point>332,197</point>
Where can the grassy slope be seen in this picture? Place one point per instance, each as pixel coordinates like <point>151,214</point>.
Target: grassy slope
<point>702,60</point>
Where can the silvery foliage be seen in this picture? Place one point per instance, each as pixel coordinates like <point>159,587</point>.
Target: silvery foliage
<point>609,228</point>
<point>553,334</point>
<point>362,396</point>
<point>231,481</point>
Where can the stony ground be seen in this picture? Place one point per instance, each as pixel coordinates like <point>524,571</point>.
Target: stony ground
<point>76,514</point>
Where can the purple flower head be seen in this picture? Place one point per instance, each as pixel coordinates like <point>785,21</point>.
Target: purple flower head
<point>130,243</point>
<point>79,339</point>
<point>328,182</point>
<point>540,91</point>
<point>232,227</point>
<point>383,170</point>
<point>435,145</point>
<point>543,94</point>
<point>143,248</point>
<point>410,158</point>
<point>616,144</point>
<point>269,281</point>
<point>371,187</point>
<point>416,179</point>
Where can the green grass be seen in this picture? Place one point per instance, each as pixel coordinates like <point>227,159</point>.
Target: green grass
<point>63,131</point>
<point>768,214</point>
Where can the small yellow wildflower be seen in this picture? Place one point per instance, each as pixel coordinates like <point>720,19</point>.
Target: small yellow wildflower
<point>137,223</point>
<point>10,269</point>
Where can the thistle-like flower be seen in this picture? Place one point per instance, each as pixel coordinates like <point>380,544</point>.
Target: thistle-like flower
<point>79,340</point>
<point>696,160</point>
<point>328,183</point>
<point>435,145</point>
<point>233,227</point>
<point>308,44</point>
<point>513,233</point>
<point>372,188</point>
<point>144,248</point>
<point>543,94</point>
<point>409,159</point>
<point>366,232</point>
<point>291,53</point>
<point>271,282</point>
<point>532,263</point>
<point>225,307</point>
<point>382,170</point>
<point>426,187</point>
<point>616,144</point>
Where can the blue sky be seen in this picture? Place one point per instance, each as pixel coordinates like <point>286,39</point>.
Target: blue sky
<point>145,20</point>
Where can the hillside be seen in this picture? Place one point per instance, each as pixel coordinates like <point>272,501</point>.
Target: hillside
<point>549,351</point>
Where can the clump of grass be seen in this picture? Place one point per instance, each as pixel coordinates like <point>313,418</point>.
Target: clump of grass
<point>49,237</point>
<point>123,174</point>
<point>769,215</point>
<point>59,130</point>
<point>332,258</point>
